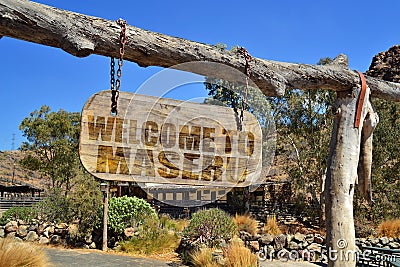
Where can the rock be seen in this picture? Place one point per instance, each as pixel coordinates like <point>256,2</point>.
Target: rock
<point>318,239</point>
<point>384,240</point>
<point>254,246</point>
<point>46,233</point>
<point>32,227</point>
<point>385,65</point>
<point>310,238</point>
<point>31,236</point>
<point>20,222</point>
<point>2,233</point>
<point>303,245</point>
<point>92,245</point>
<point>299,237</point>
<point>88,239</point>
<point>44,240</point>
<point>129,232</point>
<point>61,232</point>
<point>315,247</point>
<point>61,226</point>
<point>11,234</point>
<point>55,240</point>
<point>22,230</point>
<point>11,226</point>
<point>280,242</point>
<point>293,245</point>
<point>50,229</point>
<point>41,228</point>
<point>394,245</point>
<point>266,239</point>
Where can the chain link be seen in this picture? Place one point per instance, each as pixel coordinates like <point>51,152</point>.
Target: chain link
<point>115,84</point>
<point>247,58</point>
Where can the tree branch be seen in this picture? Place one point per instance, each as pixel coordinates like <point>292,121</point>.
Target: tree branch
<point>82,35</point>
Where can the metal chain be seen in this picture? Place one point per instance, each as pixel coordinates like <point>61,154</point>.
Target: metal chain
<point>247,58</point>
<point>115,84</point>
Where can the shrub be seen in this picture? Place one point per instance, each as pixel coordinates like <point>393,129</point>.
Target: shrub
<point>237,255</point>
<point>14,253</point>
<point>210,227</point>
<point>272,227</point>
<point>246,223</point>
<point>152,237</point>
<point>126,212</point>
<point>17,213</point>
<point>56,207</point>
<point>389,228</point>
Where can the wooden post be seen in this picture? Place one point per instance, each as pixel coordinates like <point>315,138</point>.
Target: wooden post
<point>105,218</point>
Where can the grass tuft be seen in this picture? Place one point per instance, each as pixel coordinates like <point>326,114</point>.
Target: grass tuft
<point>13,253</point>
<point>389,228</point>
<point>272,227</point>
<point>246,223</point>
<point>203,258</point>
<point>237,255</point>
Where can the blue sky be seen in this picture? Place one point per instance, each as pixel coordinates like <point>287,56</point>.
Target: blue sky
<point>286,30</point>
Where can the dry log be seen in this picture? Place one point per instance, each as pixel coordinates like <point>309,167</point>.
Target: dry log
<point>82,35</point>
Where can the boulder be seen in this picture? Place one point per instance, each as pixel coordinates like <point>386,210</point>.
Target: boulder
<point>374,241</point>
<point>394,245</point>
<point>315,247</point>
<point>11,234</point>
<point>2,233</point>
<point>61,226</point>
<point>293,245</point>
<point>280,242</point>
<point>92,245</point>
<point>318,239</point>
<point>266,239</point>
<point>31,236</point>
<point>254,245</point>
<point>55,240</point>
<point>22,230</point>
<point>299,237</point>
<point>11,226</point>
<point>41,228</point>
<point>384,240</point>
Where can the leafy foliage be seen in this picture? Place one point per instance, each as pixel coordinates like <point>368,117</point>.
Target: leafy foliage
<point>17,213</point>
<point>126,212</point>
<point>211,227</point>
<point>53,143</point>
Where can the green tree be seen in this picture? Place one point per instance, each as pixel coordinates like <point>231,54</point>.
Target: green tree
<point>52,140</point>
<point>303,121</point>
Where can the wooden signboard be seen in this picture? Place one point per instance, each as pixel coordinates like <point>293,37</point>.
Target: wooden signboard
<point>158,140</point>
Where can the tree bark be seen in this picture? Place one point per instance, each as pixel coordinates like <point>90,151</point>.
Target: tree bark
<point>341,178</point>
<point>82,35</point>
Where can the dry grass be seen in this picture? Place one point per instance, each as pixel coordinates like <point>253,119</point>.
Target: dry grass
<point>390,228</point>
<point>272,227</point>
<point>237,255</point>
<point>246,223</point>
<point>203,258</point>
<point>13,254</point>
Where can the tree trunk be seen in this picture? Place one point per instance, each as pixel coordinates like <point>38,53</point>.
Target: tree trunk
<point>342,177</point>
<point>82,35</point>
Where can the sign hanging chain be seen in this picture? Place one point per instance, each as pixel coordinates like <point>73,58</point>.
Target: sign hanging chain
<point>115,84</point>
<point>243,51</point>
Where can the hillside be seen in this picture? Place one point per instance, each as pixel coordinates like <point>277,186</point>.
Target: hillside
<point>9,165</point>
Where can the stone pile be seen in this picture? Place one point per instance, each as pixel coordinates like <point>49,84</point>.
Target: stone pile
<point>382,242</point>
<point>285,245</point>
<point>45,233</point>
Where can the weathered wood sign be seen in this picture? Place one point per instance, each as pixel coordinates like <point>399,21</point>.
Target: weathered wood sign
<point>162,140</point>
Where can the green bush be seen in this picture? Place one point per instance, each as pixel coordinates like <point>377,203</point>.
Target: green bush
<point>211,227</point>
<point>17,213</point>
<point>126,212</point>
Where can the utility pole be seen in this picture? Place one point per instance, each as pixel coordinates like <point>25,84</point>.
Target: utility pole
<point>13,142</point>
